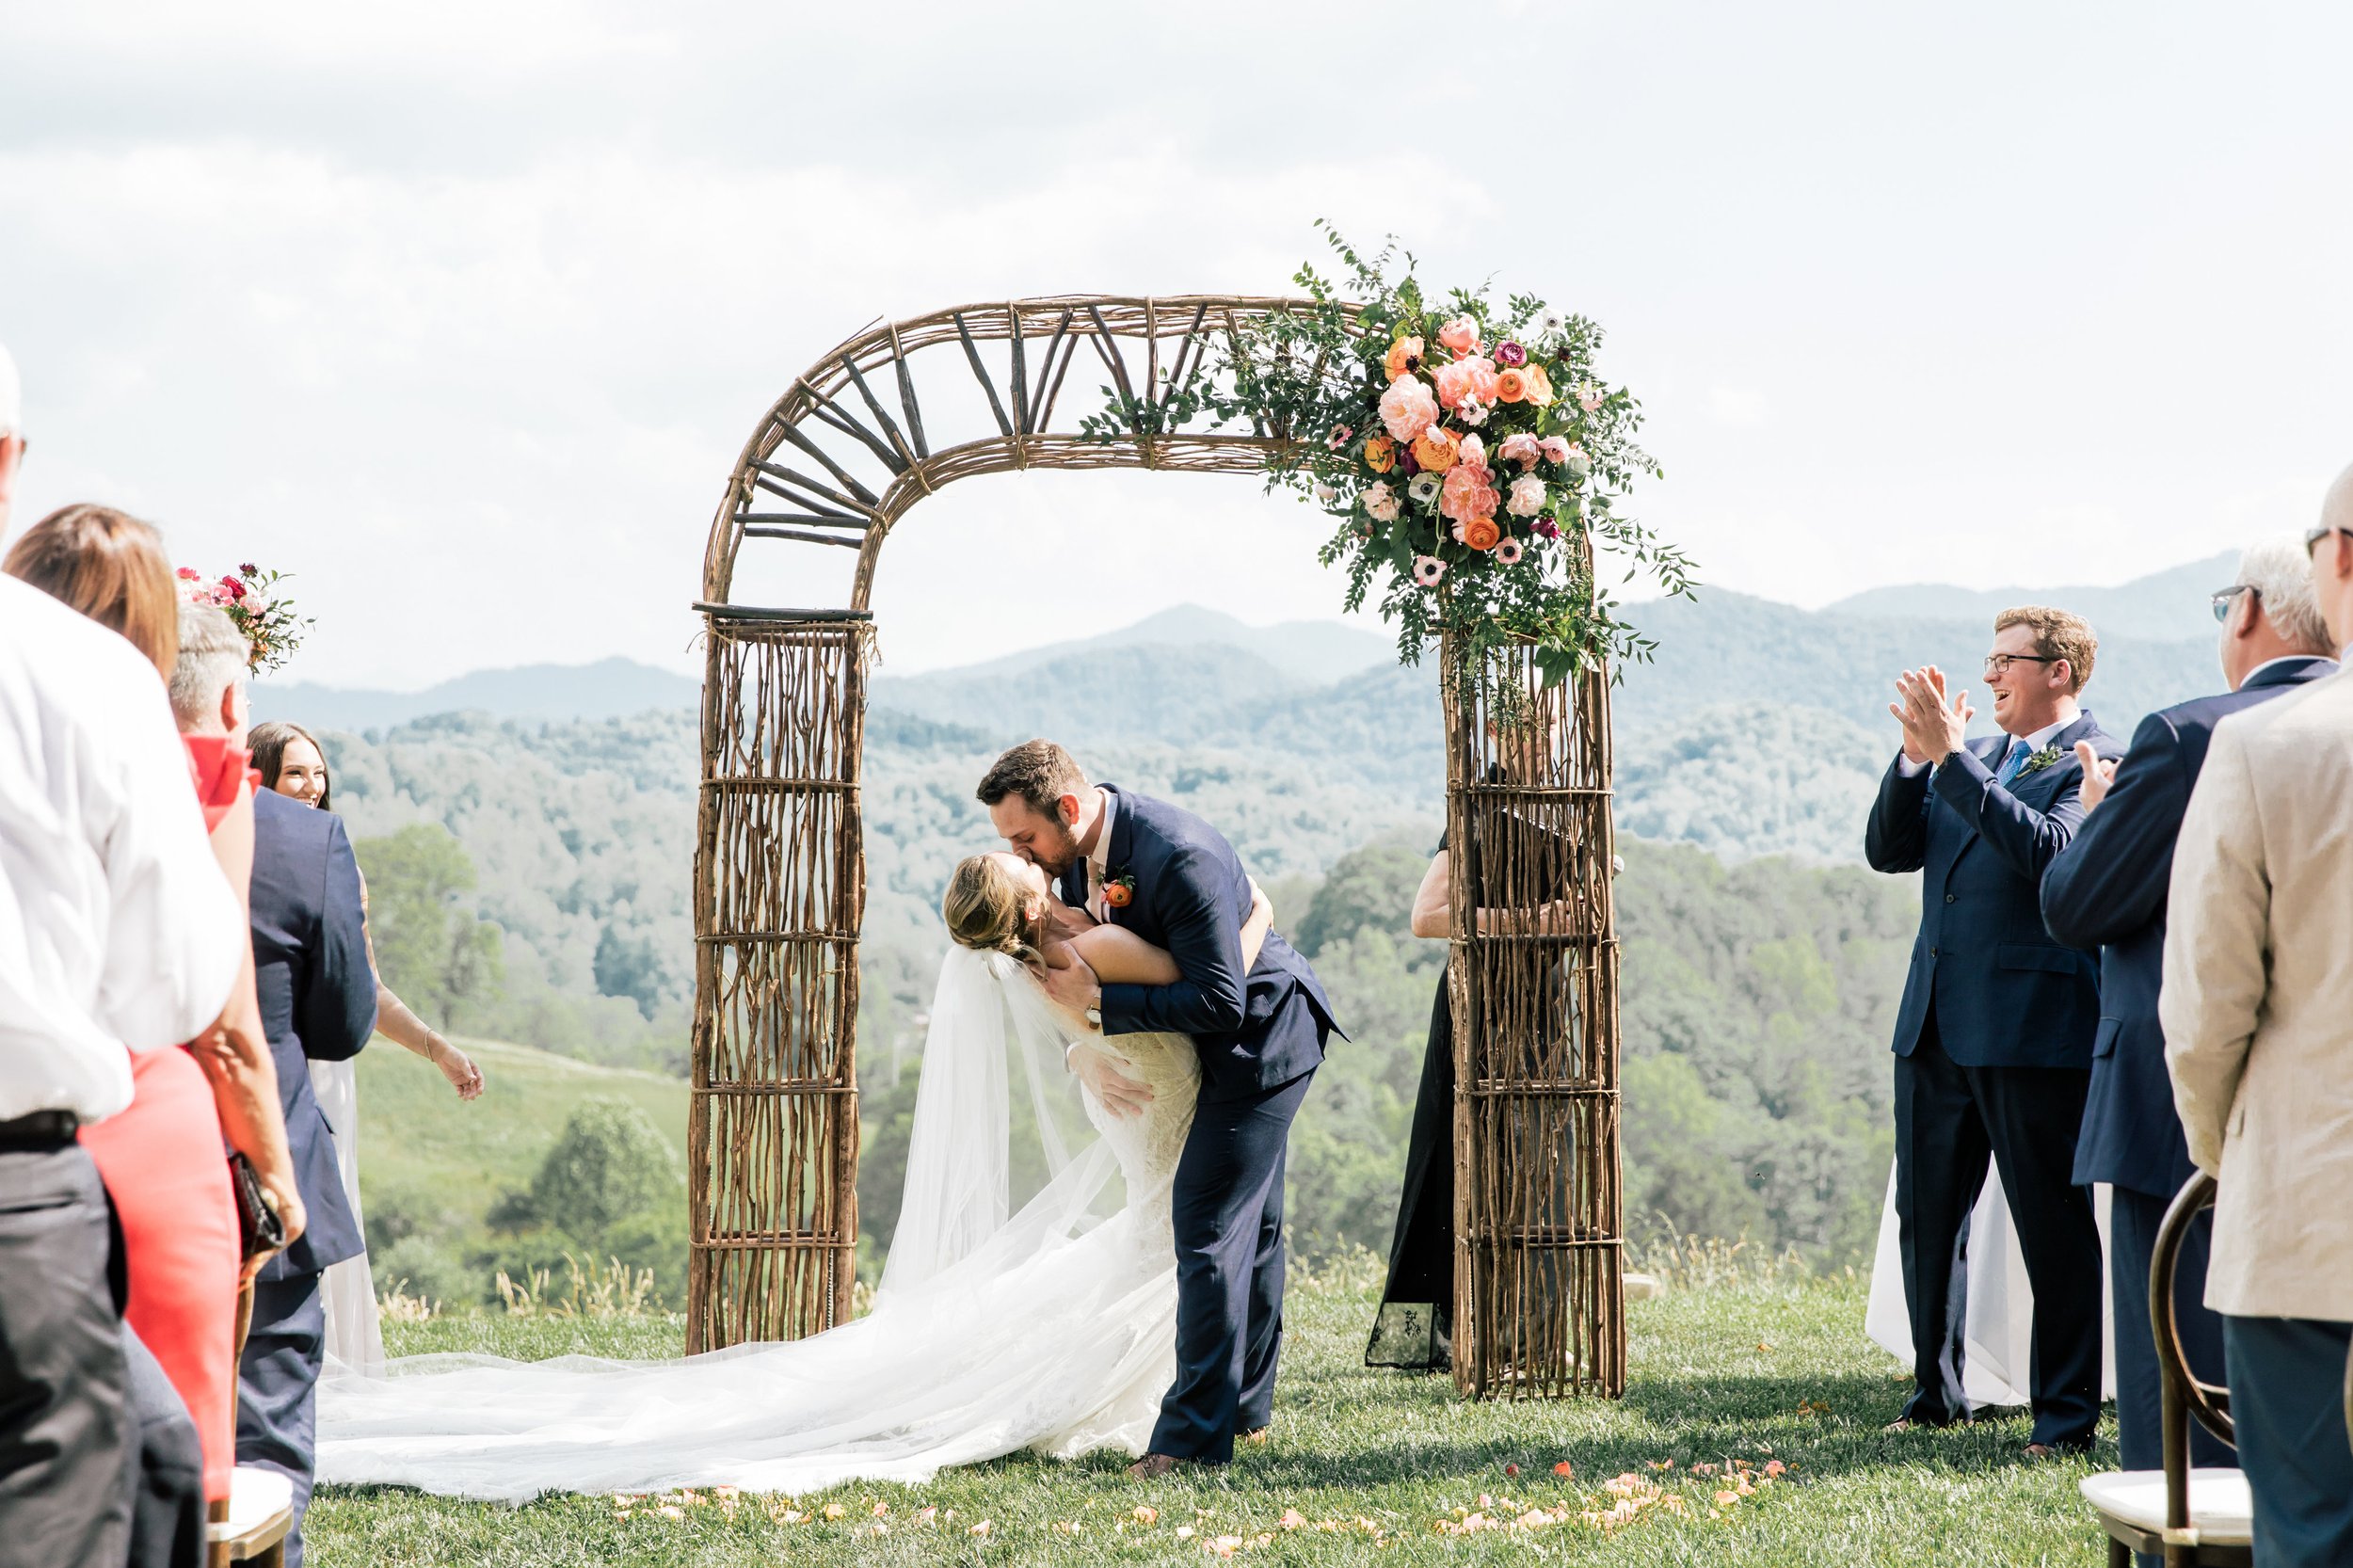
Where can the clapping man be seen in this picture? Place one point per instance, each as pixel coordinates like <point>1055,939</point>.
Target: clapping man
<point>1994,1039</point>
<point>317,993</point>
<point>2107,889</point>
<point>2258,1015</point>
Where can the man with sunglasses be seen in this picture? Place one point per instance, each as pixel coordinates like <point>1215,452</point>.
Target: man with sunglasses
<point>2107,889</point>
<point>1994,1039</point>
<point>2258,1013</point>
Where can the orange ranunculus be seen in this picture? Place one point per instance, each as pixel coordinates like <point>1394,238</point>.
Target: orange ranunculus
<point>1482,534</point>
<point>1381,454</point>
<point>1539,385</point>
<point>1510,385</point>
<point>1435,449</point>
<point>1405,355</point>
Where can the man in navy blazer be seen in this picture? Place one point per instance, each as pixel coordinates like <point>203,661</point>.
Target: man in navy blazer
<point>2107,889</point>
<point>1260,1035</point>
<point>1994,1039</point>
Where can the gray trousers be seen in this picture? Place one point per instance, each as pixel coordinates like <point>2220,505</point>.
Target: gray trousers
<point>165,1472</point>
<point>65,1436</point>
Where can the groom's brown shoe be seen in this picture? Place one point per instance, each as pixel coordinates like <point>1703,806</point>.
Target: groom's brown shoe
<point>1156,1467</point>
<point>1257,1436</point>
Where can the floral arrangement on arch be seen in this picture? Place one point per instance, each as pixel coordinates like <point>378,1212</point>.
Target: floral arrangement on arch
<point>251,598</point>
<point>1468,451</point>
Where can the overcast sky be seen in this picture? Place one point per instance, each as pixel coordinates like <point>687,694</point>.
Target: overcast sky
<point>461,312</point>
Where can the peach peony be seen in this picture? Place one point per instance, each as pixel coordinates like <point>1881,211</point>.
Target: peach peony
<point>1407,408</point>
<point>1379,453</point>
<point>1472,450</point>
<point>1403,359</point>
<point>1381,501</point>
<point>1433,449</point>
<point>1528,496</point>
<point>1464,380</point>
<point>1511,386</point>
<point>1482,534</point>
<point>1522,449</point>
<point>1469,492</point>
<point>1461,335</point>
<point>1539,385</point>
<point>1556,449</point>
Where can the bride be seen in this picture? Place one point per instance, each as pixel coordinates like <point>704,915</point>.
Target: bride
<point>1051,1328</point>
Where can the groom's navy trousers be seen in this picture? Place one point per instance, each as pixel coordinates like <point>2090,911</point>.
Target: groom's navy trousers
<point>1993,1058</point>
<point>1260,1034</point>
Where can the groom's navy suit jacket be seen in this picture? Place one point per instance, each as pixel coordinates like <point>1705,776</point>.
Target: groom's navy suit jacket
<point>2005,994</point>
<point>2107,889</point>
<point>317,992</point>
<point>1191,896</point>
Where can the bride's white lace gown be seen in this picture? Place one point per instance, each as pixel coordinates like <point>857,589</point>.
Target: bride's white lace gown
<point>1052,1328</point>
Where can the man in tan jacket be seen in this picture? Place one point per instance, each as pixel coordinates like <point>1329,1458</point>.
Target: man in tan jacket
<point>2258,1013</point>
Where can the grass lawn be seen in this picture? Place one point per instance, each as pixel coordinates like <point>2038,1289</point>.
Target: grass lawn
<point>1367,1466</point>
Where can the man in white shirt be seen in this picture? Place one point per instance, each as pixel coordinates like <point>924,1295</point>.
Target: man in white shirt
<point>2258,1012</point>
<point>116,929</point>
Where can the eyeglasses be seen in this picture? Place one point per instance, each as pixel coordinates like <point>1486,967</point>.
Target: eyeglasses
<point>2221,598</point>
<point>1999,663</point>
<point>2312,540</point>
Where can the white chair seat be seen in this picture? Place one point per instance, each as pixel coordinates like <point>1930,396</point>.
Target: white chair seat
<point>2220,1509</point>
<point>256,1496</point>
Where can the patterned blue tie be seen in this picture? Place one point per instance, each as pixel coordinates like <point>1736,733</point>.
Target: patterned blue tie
<point>2019,752</point>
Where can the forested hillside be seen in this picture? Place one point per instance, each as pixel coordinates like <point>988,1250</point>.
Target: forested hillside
<point>530,881</point>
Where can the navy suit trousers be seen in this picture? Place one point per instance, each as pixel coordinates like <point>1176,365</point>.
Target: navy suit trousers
<point>1949,1119</point>
<point>1229,1210</point>
<point>278,1385</point>
<point>2133,1222</point>
<point>2288,1402</point>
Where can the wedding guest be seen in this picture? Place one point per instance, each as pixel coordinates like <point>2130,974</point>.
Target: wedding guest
<point>1993,1036</point>
<point>116,929</point>
<point>2258,1015</point>
<point>292,764</point>
<point>1413,1326</point>
<point>161,1157</point>
<point>318,1001</point>
<point>2107,889</point>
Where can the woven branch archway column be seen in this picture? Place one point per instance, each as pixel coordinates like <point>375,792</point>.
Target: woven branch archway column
<point>779,874</point>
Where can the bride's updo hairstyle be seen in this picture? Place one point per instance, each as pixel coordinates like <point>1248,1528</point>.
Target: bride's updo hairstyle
<point>984,910</point>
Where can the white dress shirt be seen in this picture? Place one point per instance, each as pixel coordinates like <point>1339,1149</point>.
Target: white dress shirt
<point>1906,767</point>
<point>117,927</point>
<point>1098,858</point>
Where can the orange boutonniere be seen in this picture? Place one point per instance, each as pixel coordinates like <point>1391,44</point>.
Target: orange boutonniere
<point>1119,890</point>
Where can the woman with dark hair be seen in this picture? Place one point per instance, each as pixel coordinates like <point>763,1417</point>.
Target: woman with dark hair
<point>293,764</point>
<point>162,1159</point>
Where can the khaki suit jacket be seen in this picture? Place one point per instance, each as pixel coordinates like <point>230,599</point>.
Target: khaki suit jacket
<point>2257,1002</point>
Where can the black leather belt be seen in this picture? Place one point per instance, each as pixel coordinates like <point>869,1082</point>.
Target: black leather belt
<point>42,1129</point>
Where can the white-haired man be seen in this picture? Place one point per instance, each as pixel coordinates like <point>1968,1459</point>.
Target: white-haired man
<point>2258,1013</point>
<point>2107,890</point>
<point>317,992</point>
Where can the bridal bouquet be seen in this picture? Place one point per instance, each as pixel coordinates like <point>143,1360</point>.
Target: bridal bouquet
<point>1468,453</point>
<point>251,598</point>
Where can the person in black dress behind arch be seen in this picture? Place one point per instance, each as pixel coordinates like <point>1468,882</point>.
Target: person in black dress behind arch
<point>1412,1329</point>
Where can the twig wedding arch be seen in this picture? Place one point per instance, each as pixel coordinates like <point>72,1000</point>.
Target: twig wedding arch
<point>779,873</point>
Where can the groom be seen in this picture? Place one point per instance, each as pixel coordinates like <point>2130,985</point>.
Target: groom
<point>1174,880</point>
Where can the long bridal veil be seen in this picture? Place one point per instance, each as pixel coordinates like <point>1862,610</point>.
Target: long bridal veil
<point>1046,1325</point>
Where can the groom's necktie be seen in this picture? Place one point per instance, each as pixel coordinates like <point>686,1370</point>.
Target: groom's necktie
<point>2019,752</point>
